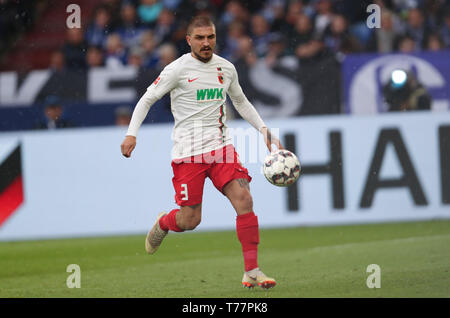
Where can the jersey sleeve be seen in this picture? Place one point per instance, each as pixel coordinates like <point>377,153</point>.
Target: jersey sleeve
<point>242,105</point>
<point>166,81</point>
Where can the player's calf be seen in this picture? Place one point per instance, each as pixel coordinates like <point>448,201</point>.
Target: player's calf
<point>189,217</point>
<point>190,224</point>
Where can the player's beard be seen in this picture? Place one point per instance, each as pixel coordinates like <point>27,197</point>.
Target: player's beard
<point>201,58</point>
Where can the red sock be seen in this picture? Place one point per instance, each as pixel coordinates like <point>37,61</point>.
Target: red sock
<point>248,234</point>
<point>168,222</point>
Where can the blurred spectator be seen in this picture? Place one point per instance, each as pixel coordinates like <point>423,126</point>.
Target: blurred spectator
<point>337,37</point>
<point>405,5</point>
<point>273,12</point>
<point>53,115</point>
<point>167,54</point>
<point>309,50</point>
<point>165,26</point>
<point>122,115</point>
<point>406,44</point>
<point>236,30</point>
<point>234,12</point>
<point>111,4</point>
<point>129,26</point>
<point>74,49</point>
<point>171,4</point>
<point>113,7</point>
<point>164,55</point>
<point>306,44</point>
<point>384,4</point>
<point>260,33</point>
<point>149,10</point>
<point>94,57</point>
<point>246,60</point>
<point>301,34</point>
<point>323,15</point>
<point>149,44</point>
<point>179,38</point>
<point>57,62</point>
<point>136,56</point>
<point>116,55</point>
<point>433,12</point>
<point>187,9</point>
<point>434,42</point>
<point>383,39</point>
<point>246,52</point>
<point>99,29</point>
<point>293,14</point>
<point>416,28</point>
<point>444,30</point>
<point>276,50</point>
<point>59,72</point>
<point>161,110</point>
<point>356,12</point>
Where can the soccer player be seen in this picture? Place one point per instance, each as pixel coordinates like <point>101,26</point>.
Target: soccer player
<point>198,83</point>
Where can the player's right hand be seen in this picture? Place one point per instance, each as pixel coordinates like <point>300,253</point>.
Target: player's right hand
<point>128,145</point>
<point>271,139</point>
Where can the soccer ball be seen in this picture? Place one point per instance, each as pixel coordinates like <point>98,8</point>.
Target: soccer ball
<point>281,168</point>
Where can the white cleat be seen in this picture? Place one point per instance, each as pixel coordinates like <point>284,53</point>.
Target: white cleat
<point>256,277</point>
<point>155,236</point>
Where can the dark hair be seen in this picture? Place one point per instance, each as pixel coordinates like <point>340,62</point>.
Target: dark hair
<point>199,21</point>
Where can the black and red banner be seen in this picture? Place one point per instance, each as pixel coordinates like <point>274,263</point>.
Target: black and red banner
<point>11,184</point>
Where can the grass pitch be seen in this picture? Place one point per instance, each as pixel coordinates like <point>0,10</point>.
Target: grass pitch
<point>306,262</point>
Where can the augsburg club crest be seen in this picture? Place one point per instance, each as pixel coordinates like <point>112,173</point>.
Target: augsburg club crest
<point>220,75</point>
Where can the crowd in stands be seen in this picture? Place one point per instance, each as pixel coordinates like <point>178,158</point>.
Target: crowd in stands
<point>316,34</point>
<point>151,33</point>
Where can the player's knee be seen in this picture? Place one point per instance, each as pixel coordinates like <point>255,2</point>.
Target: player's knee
<point>245,201</point>
<point>248,202</point>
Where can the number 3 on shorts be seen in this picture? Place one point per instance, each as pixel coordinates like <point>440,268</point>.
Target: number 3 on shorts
<point>185,192</point>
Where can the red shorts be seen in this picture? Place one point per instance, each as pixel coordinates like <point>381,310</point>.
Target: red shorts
<point>189,174</point>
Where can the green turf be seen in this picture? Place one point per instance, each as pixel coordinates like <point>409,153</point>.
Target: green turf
<point>306,262</point>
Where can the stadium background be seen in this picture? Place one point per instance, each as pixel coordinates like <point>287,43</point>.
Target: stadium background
<point>317,74</point>
<point>288,53</point>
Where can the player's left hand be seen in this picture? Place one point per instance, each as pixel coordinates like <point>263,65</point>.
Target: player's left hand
<point>270,139</point>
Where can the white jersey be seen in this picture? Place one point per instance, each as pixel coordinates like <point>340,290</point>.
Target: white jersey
<point>198,93</point>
